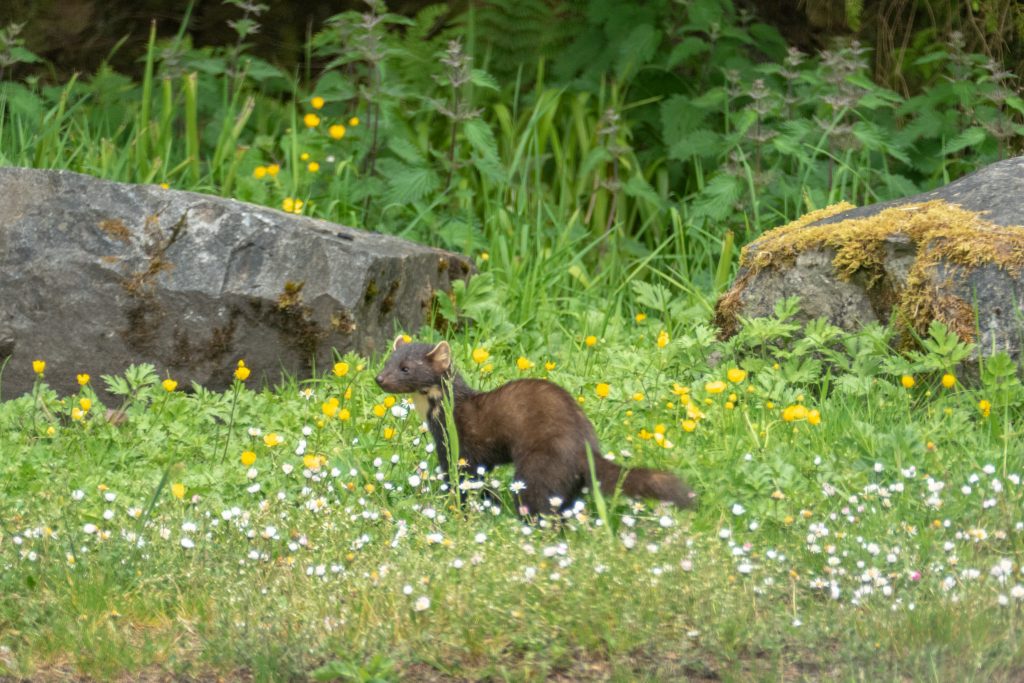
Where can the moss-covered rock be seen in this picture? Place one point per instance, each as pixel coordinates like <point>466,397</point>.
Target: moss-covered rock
<point>954,254</point>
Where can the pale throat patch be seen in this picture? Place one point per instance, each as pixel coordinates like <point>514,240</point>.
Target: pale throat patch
<point>434,394</point>
<point>422,404</point>
<point>421,400</point>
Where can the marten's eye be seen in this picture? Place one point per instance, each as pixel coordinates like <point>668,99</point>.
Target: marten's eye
<point>404,368</point>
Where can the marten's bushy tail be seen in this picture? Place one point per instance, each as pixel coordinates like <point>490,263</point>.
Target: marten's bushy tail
<point>642,482</point>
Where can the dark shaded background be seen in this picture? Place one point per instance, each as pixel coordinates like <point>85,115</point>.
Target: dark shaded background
<point>77,35</point>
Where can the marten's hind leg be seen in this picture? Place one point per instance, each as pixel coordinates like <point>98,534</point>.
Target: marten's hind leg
<point>539,498</point>
<point>550,483</point>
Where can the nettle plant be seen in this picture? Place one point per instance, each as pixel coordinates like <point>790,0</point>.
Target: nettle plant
<point>656,134</point>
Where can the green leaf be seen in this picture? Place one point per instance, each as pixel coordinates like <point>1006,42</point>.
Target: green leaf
<point>938,55</point>
<point>651,295</point>
<point>595,157</point>
<point>702,15</point>
<point>638,188</point>
<point>481,138</point>
<point>698,143</point>
<point>719,197</point>
<point>408,184</point>
<point>406,150</point>
<point>972,137</point>
<point>638,49</point>
<point>690,46</point>
<point>481,78</point>
<point>20,54</point>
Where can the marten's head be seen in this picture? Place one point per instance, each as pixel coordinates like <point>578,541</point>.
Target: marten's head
<point>414,367</point>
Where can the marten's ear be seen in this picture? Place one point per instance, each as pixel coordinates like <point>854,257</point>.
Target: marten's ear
<point>440,357</point>
<point>399,340</point>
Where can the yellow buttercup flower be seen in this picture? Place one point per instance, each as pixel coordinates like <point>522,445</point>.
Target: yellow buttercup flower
<point>344,415</point>
<point>640,317</point>
<point>273,169</point>
<point>313,167</point>
<point>311,120</point>
<point>317,102</point>
<point>336,131</point>
<point>602,390</point>
<point>794,412</point>
<point>907,381</point>
<point>311,462</point>
<point>389,401</point>
<point>389,432</point>
<point>330,407</point>
<point>688,425</point>
<point>550,365</point>
<point>38,366</point>
<point>340,369</point>
<point>590,340</point>
<point>985,407</point>
<point>736,375</point>
<point>241,372</point>
<point>85,404</point>
<point>716,387</point>
<point>273,439</point>
<point>83,379</point>
<point>178,491</point>
<point>169,385</point>
<point>248,458</point>
<point>814,417</point>
<point>480,355</point>
<point>379,410</point>
<point>524,363</point>
<point>949,380</point>
<point>354,121</point>
<point>259,172</point>
<point>662,339</point>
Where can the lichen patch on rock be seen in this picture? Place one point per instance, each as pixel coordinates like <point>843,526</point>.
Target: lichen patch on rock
<point>942,255</point>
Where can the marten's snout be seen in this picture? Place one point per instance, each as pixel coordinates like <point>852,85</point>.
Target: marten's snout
<point>379,379</point>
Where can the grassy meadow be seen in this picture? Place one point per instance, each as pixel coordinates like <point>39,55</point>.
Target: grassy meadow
<point>861,511</point>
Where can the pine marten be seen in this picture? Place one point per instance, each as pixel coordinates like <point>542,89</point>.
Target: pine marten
<point>532,423</point>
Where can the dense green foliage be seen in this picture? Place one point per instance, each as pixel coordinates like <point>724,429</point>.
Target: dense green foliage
<point>654,130</point>
<point>861,509</point>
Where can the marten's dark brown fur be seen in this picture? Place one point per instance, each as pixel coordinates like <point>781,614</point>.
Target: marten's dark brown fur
<point>532,423</point>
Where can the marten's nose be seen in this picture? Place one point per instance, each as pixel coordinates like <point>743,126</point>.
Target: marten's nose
<point>379,379</point>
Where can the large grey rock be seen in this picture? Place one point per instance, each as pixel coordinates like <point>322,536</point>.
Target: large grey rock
<point>96,275</point>
<point>954,254</point>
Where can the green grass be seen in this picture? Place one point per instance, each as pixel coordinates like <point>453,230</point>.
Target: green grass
<point>842,550</point>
